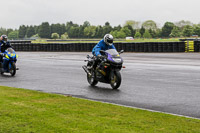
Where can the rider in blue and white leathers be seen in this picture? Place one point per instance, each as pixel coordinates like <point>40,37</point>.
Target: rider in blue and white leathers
<point>105,44</point>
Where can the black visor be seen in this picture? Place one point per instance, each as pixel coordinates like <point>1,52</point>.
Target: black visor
<point>110,40</point>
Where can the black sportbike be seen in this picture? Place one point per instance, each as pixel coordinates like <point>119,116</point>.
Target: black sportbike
<point>104,69</point>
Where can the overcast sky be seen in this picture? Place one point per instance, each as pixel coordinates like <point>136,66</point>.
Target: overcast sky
<point>33,12</point>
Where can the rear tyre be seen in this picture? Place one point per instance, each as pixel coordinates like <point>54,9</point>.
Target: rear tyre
<point>115,80</point>
<point>12,69</point>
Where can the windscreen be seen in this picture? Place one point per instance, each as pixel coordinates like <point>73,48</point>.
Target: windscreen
<point>10,50</point>
<point>112,52</point>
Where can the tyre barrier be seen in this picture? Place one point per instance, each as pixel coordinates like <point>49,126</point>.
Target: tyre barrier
<point>196,46</point>
<point>87,47</point>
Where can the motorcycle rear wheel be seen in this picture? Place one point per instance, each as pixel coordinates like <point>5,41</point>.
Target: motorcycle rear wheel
<point>115,81</point>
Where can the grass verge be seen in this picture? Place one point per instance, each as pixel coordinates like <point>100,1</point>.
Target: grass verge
<point>28,111</point>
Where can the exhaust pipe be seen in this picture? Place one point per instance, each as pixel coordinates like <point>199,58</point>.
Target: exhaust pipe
<point>86,70</point>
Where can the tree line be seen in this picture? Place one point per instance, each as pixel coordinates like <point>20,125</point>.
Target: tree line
<point>147,29</point>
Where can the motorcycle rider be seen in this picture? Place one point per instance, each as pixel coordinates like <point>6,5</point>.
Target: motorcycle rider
<point>104,44</point>
<point>4,44</point>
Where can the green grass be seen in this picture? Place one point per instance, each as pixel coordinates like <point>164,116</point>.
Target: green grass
<point>26,111</point>
<point>156,40</point>
<point>115,41</point>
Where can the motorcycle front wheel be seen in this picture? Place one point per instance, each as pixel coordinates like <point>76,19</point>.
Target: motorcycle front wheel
<point>115,80</point>
<point>90,78</point>
<point>12,68</point>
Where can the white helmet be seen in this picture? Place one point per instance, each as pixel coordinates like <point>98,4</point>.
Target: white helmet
<point>108,39</point>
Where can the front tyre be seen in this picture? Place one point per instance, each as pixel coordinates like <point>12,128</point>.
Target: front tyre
<point>90,78</point>
<point>1,67</point>
<point>115,80</point>
<point>12,69</point>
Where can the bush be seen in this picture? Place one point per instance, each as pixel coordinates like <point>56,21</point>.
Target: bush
<point>55,36</point>
<point>64,36</point>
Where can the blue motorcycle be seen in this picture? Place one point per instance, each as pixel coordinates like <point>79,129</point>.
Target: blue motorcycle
<point>9,62</point>
<point>107,69</point>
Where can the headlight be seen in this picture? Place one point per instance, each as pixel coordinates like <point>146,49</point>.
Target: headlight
<point>118,60</point>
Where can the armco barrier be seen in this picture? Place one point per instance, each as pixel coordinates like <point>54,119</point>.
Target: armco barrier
<point>87,47</point>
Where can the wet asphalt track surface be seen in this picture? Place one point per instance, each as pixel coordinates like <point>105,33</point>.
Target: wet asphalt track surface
<point>167,82</point>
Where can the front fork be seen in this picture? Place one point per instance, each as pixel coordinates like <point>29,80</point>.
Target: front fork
<point>112,73</point>
<point>6,64</point>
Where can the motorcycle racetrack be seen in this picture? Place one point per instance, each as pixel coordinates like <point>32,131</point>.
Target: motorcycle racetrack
<point>166,82</point>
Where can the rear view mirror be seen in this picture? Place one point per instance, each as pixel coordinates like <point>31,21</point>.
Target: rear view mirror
<point>122,51</point>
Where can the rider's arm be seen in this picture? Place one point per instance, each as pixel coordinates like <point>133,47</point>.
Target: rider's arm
<point>97,50</point>
<point>2,44</point>
<point>98,47</point>
<point>8,44</point>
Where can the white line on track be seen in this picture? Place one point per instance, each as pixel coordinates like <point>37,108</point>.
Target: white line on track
<point>139,108</point>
